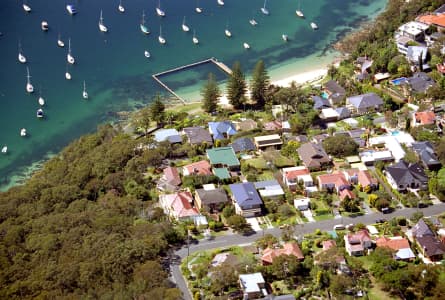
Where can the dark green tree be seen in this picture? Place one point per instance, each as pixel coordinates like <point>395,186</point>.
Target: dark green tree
<point>340,145</point>
<point>142,119</point>
<point>259,84</point>
<point>157,110</point>
<point>210,93</point>
<point>237,87</point>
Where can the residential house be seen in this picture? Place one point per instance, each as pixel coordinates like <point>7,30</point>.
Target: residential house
<point>222,130</point>
<point>346,193</point>
<point>403,175</point>
<point>436,19</point>
<point>178,205</point>
<point>335,93</point>
<point>365,103</point>
<point>198,135</point>
<point>210,198</point>
<point>302,204</point>
<point>313,156</point>
<point>328,244</point>
<point>425,152</point>
<point>253,286</point>
<point>170,179</point>
<point>423,118</point>
<point>246,125</point>
<point>268,141</point>
<point>171,135</point>
<point>413,30</point>
<point>351,175</point>
<point>320,103</point>
<point>335,182</point>
<point>400,246</point>
<point>319,138</point>
<point>290,248</point>
<point>329,114</point>
<point>429,245</point>
<point>393,142</point>
<point>269,188</point>
<point>402,43</point>
<point>243,144</point>
<point>366,181</point>
<point>363,64</point>
<point>293,175</point>
<point>223,160</point>
<point>370,157</point>
<point>357,242</point>
<point>357,136</point>
<point>246,199</point>
<point>420,82</point>
<point>201,168</point>
<point>417,55</point>
<point>224,258</point>
<point>343,112</point>
<point>272,126</point>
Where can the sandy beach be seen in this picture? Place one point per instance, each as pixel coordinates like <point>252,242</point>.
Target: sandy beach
<point>301,78</point>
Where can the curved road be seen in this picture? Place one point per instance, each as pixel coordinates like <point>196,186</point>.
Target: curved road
<point>236,239</point>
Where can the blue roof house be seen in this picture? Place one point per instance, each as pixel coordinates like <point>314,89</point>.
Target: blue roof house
<point>222,130</point>
<point>247,201</point>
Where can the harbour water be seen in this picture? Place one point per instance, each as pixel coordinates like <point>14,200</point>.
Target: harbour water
<point>118,75</point>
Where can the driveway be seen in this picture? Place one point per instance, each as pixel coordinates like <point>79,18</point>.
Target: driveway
<point>254,224</point>
<point>308,214</point>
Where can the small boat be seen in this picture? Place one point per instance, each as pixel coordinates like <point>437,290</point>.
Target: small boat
<point>84,93</point>
<point>60,43</point>
<point>67,75</point>
<point>22,58</point>
<point>160,37</point>
<point>102,27</point>
<point>195,39</point>
<point>41,101</point>
<point>26,7</point>
<point>264,10</point>
<point>23,132</point>
<point>29,87</point>
<point>121,8</point>
<point>285,37</point>
<point>143,27</point>
<point>147,54</point>
<point>45,26</point>
<point>198,8</point>
<point>69,56</point>
<point>5,149</point>
<point>298,11</point>
<point>246,46</point>
<point>314,26</point>
<point>227,33</point>
<point>220,2</point>
<point>71,9</point>
<point>253,22</point>
<point>39,113</point>
<point>159,11</point>
<point>185,28</point>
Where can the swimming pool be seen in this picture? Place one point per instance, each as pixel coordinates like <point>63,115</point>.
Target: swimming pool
<point>398,81</point>
<point>395,132</point>
<point>324,95</point>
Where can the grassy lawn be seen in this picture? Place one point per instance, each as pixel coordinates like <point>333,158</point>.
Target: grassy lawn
<point>257,163</point>
<point>376,292</point>
<point>323,217</point>
<point>266,175</point>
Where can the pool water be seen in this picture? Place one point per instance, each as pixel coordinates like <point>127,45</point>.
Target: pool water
<point>325,95</point>
<point>398,81</point>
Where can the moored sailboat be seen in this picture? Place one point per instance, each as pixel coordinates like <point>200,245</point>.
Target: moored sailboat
<point>84,93</point>
<point>161,39</point>
<point>121,8</point>
<point>159,11</point>
<point>143,27</point>
<point>102,27</point>
<point>69,56</point>
<point>195,39</point>
<point>185,28</point>
<point>29,86</point>
<point>264,10</point>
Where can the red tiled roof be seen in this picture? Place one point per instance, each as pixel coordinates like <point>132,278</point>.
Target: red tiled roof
<point>346,192</point>
<point>328,244</point>
<point>288,249</point>
<point>425,117</point>
<point>273,125</point>
<point>337,178</point>
<point>296,173</point>
<point>365,179</point>
<point>361,235</point>
<point>172,176</point>
<point>393,243</point>
<point>180,204</point>
<point>199,168</point>
<point>438,20</point>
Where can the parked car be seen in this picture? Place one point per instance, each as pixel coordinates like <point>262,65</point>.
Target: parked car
<point>339,227</point>
<point>380,220</point>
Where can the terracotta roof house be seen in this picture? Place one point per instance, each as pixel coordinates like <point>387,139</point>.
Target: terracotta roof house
<point>314,157</point>
<point>197,168</point>
<point>404,175</point>
<point>365,103</point>
<point>268,141</point>
<point>346,193</point>
<point>356,243</point>
<point>243,144</point>
<point>351,175</point>
<point>170,179</point>
<point>210,198</point>
<point>433,19</point>
<point>365,179</point>
<point>290,248</point>
<point>424,118</point>
<point>246,125</point>
<point>333,182</point>
<point>399,244</point>
<point>328,244</point>
<point>198,135</point>
<point>425,152</point>
<point>293,175</point>
<point>178,205</point>
<point>222,130</point>
<point>253,286</point>
<point>272,126</point>
<point>336,93</point>
<point>246,199</point>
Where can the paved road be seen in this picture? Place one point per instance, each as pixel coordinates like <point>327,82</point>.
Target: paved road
<point>236,239</point>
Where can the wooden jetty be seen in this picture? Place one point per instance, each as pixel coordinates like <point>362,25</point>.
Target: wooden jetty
<point>213,60</point>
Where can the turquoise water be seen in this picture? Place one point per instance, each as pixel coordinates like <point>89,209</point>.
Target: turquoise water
<point>117,74</point>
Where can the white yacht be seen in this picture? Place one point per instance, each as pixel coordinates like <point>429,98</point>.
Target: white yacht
<point>41,101</point>
<point>285,37</point>
<point>23,132</point>
<point>147,54</point>
<point>220,2</point>
<point>26,7</point>
<point>160,37</point>
<point>198,8</point>
<point>298,11</point>
<point>29,87</point>
<point>143,27</point>
<point>67,74</point>
<point>253,22</point>
<point>60,43</point>
<point>102,27</point>
<point>84,93</point>
<point>21,57</point>
<point>246,46</point>
<point>121,8</point>
<point>264,10</point>
<point>185,28</point>
<point>39,113</point>
<point>159,11</point>
<point>5,149</point>
<point>71,9</point>
<point>69,56</point>
<point>314,26</point>
<point>45,26</point>
<point>195,39</point>
<point>227,33</point>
